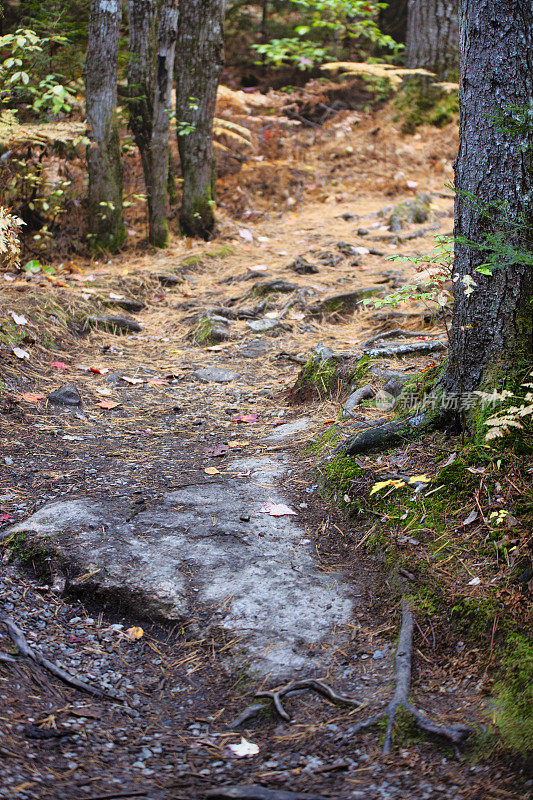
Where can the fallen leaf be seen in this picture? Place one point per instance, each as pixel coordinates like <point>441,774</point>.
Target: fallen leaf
<point>451,458</point>
<point>328,421</point>
<point>214,348</point>
<point>237,443</point>
<point>383,484</point>
<point>476,470</point>
<point>59,365</point>
<point>244,748</point>
<point>20,353</point>
<point>257,268</point>
<point>33,398</point>
<point>245,234</point>
<point>103,391</point>
<point>99,370</point>
<point>114,296</point>
<point>109,404</point>
<point>419,479</point>
<point>470,518</point>
<point>134,633</point>
<point>5,517</point>
<point>474,582</point>
<point>157,382</point>
<point>132,381</point>
<point>245,418</point>
<point>211,471</point>
<point>276,509</point>
<point>18,319</point>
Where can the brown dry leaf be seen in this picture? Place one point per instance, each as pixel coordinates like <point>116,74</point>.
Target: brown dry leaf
<point>109,404</point>
<point>132,381</point>
<point>33,398</point>
<point>237,443</point>
<point>211,471</point>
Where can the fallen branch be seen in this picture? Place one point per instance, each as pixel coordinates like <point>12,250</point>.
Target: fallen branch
<point>24,648</point>
<point>455,733</point>
<point>298,686</point>
<point>259,793</point>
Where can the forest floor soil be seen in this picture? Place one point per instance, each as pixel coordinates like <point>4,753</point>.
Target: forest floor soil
<point>140,557</point>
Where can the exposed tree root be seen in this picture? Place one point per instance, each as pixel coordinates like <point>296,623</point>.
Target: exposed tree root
<point>386,435</point>
<point>259,793</point>
<point>311,684</point>
<point>250,712</point>
<point>24,648</point>
<point>455,733</point>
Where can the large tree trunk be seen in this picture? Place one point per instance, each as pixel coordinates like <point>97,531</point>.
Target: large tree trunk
<point>199,64</point>
<point>433,36</point>
<point>104,164</point>
<point>491,332</point>
<point>153,26</point>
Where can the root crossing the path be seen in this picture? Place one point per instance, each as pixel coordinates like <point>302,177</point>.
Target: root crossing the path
<point>455,733</point>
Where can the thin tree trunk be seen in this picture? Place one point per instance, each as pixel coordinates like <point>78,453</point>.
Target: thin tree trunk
<point>433,36</point>
<point>153,26</point>
<point>104,164</point>
<point>264,22</point>
<point>491,334</point>
<point>199,64</point>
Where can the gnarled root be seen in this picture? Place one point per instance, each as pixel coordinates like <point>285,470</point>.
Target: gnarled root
<point>455,733</point>
<point>308,684</point>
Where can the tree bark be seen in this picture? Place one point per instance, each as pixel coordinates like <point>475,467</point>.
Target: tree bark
<point>199,64</point>
<point>433,37</point>
<point>153,31</point>
<point>491,333</point>
<point>393,20</point>
<point>106,225</point>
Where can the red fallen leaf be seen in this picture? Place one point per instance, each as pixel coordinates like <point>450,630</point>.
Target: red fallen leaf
<point>33,398</point>
<point>5,517</point>
<point>108,404</point>
<point>218,450</point>
<point>99,370</point>
<point>245,418</point>
<point>59,365</point>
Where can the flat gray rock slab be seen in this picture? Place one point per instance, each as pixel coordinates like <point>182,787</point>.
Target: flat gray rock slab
<point>190,550</point>
<point>283,432</point>
<point>215,375</point>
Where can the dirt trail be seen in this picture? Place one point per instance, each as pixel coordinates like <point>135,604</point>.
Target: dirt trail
<point>170,482</point>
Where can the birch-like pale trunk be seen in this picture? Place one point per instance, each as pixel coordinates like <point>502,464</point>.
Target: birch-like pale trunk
<point>492,328</point>
<point>199,64</point>
<point>106,225</point>
<point>433,37</point>
<point>153,31</point>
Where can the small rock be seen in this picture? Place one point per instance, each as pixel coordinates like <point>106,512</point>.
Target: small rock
<point>362,232</point>
<point>128,305</point>
<point>343,304</point>
<point>66,396</point>
<point>166,279</point>
<point>378,654</point>
<point>289,429</point>
<point>114,324</point>
<point>412,211</point>
<point>278,285</point>
<point>302,267</point>
<point>215,375</point>
<point>254,349</point>
<point>263,325</point>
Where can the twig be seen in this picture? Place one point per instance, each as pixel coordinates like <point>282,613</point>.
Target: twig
<point>298,686</point>
<point>455,733</point>
<point>250,712</point>
<point>24,648</point>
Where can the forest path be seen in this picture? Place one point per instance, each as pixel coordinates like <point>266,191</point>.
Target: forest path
<point>176,434</point>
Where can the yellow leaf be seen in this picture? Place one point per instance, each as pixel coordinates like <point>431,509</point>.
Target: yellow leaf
<point>211,471</point>
<point>419,479</point>
<point>134,633</point>
<point>383,484</point>
<point>237,443</point>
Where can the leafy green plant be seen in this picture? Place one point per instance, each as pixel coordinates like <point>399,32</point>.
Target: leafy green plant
<point>325,24</point>
<point>22,80</point>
